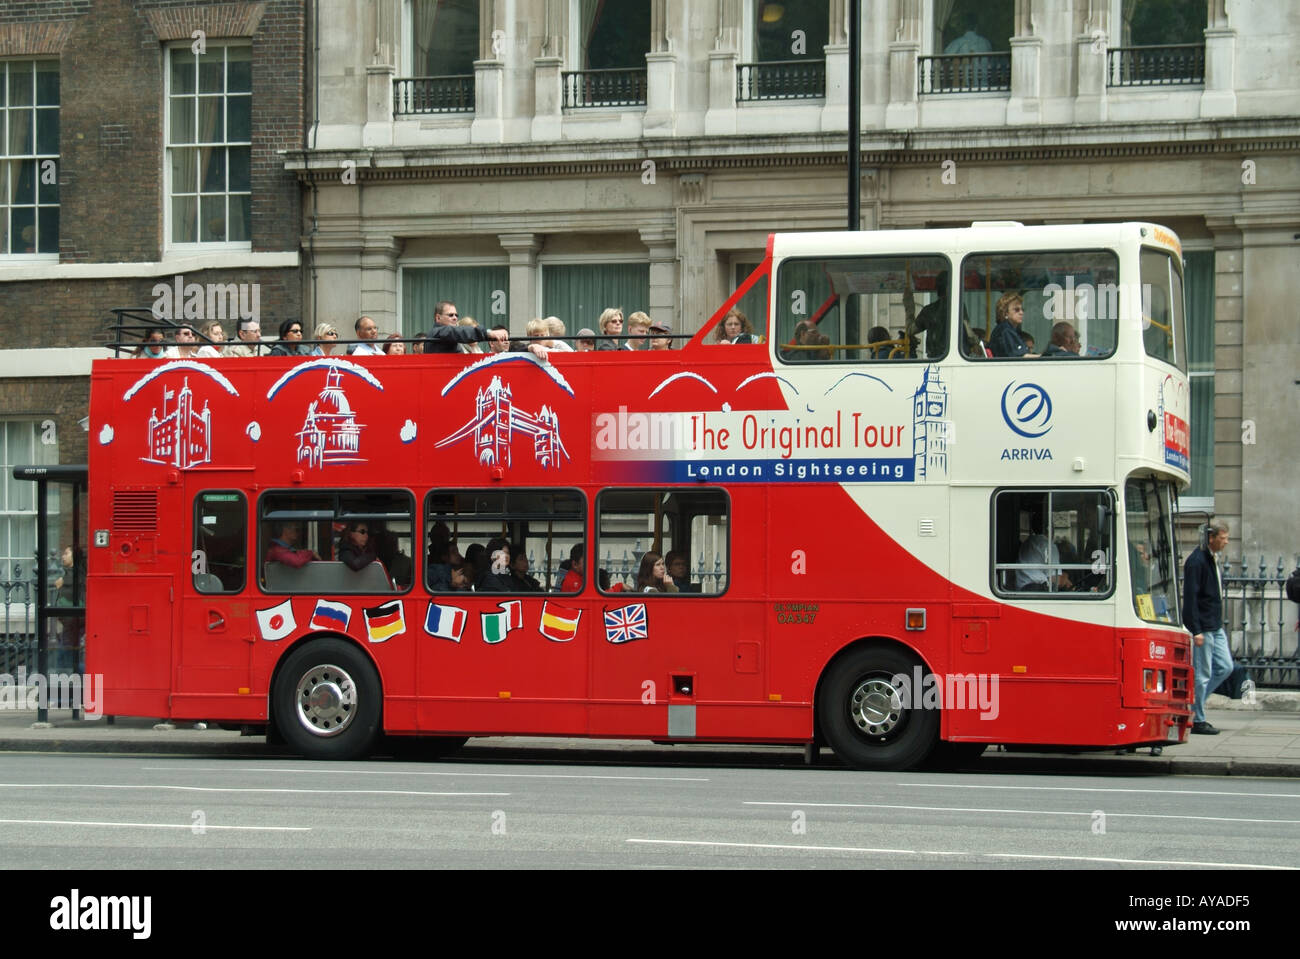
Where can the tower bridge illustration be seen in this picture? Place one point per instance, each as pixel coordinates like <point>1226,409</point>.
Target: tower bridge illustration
<point>330,433</point>
<point>495,422</point>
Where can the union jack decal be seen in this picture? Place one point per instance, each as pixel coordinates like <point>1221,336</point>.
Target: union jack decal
<point>626,623</point>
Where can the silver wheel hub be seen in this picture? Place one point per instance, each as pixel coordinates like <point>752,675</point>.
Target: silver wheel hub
<point>875,707</point>
<point>326,700</point>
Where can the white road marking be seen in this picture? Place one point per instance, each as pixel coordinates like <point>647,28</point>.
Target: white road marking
<point>1016,812</point>
<point>152,825</point>
<point>944,852</point>
<point>240,789</point>
<point>1108,789</point>
<point>398,772</point>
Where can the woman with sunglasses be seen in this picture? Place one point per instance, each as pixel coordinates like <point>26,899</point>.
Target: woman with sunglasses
<point>356,549</point>
<point>290,340</point>
<point>328,336</point>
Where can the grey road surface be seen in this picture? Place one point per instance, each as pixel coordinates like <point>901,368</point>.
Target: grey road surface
<point>89,812</point>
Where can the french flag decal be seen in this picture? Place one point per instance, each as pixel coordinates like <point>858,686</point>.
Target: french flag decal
<point>329,615</point>
<point>445,622</point>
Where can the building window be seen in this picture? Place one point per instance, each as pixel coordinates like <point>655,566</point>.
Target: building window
<point>29,157</point>
<point>209,144</point>
<point>1049,542</point>
<point>578,294</point>
<point>1199,287</point>
<point>1160,42</point>
<point>687,530</point>
<point>789,48</point>
<point>21,444</point>
<point>972,47</point>
<point>442,45</point>
<point>479,293</point>
<point>609,42</point>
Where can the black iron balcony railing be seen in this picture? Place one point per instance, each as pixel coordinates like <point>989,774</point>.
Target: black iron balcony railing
<point>605,88</point>
<point>412,95</point>
<point>964,73</point>
<point>1156,66</point>
<point>781,80</point>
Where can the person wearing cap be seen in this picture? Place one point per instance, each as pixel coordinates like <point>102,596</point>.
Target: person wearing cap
<point>662,342</point>
<point>586,340</point>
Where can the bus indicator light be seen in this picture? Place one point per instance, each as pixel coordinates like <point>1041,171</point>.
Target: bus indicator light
<point>503,694</point>
<point>774,697</point>
<point>1020,669</point>
<point>915,619</point>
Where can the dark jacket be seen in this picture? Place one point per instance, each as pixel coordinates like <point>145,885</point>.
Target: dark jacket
<point>1006,340</point>
<point>1202,601</point>
<point>447,339</point>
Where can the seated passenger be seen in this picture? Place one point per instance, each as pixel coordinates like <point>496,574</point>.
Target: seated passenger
<point>735,328</point>
<point>1007,341</point>
<point>878,334</point>
<point>1064,342</point>
<point>638,325</point>
<point>1042,553</point>
<point>574,577</point>
<point>284,550</point>
<point>653,576</point>
<point>678,568</point>
<point>497,578</point>
<point>357,550</point>
<point>519,572</point>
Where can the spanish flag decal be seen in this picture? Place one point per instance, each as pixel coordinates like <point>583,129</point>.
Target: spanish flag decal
<point>559,623</point>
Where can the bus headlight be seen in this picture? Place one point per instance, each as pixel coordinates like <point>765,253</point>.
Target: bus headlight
<point>1153,680</point>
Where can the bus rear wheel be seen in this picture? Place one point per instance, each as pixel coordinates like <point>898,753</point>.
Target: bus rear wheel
<point>327,701</point>
<point>865,712</point>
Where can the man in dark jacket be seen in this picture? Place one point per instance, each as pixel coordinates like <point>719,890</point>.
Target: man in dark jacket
<point>1203,616</point>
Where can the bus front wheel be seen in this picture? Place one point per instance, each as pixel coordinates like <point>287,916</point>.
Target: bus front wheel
<point>870,715</point>
<point>326,701</point>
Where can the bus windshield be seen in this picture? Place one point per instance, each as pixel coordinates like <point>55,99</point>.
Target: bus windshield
<point>1153,568</point>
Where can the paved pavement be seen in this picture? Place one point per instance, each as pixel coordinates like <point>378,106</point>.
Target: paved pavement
<point>1260,739</point>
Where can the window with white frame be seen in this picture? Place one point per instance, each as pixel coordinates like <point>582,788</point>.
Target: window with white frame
<point>209,144</point>
<point>29,157</point>
<point>21,443</point>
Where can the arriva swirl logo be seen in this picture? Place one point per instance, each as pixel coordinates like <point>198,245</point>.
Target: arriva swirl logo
<point>1027,409</point>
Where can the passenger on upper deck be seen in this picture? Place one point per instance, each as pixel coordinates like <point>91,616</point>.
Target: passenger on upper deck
<point>447,335</point>
<point>555,326</point>
<point>638,325</point>
<point>393,345</point>
<point>1006,340</point>
<point>470,347</point>
<point>586,340</point>
<point>367,331</point>
<point>610,324</point>
<point>250,334</point>
<point>290,343</point>
<point>1065,341</point>
<point>216,337</point>
<point>661,342</point>
<point>933,318</point>
<point>735,328</point>
<point>329,337</point>
<point>187,344</point>
<point>152,348</point>
<point>283,547</point>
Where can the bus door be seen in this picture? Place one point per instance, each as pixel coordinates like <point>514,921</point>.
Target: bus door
<point>681,660</point>
<point>216,622</point>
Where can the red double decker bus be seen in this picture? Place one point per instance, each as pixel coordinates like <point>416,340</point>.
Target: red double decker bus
<point>864,530</point>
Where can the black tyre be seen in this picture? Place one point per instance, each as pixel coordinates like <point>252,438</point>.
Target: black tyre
<point>327,701</point>
<point>864,715</point>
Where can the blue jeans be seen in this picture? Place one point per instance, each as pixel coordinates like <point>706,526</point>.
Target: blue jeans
<point>1213,664</point>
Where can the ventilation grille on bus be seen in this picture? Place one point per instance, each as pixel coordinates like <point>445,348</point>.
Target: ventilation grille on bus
<point>135,511</point>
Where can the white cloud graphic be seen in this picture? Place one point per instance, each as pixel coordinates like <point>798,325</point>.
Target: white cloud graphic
<point>106,435</point>
<point>408,431</point>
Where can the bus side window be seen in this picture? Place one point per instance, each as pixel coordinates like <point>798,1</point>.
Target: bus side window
<point>685,530</point>
<point>219,559</point>
<point>1048,542</point>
